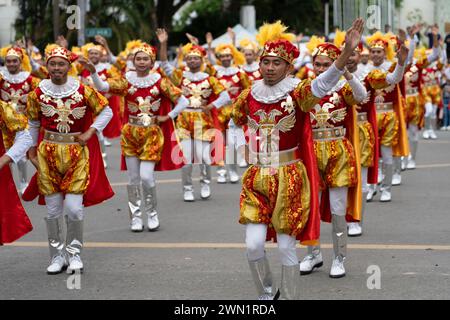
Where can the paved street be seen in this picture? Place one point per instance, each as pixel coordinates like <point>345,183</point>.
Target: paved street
<point>199,252</point>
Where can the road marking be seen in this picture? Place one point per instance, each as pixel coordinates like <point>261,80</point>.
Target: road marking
<point>433,166</point>
<point>145,245</point>
<point>169,181</point>
<point>436,142</point>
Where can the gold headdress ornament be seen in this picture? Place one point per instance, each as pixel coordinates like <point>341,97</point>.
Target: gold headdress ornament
<point>318,47</point>
<point>247,44</point>
<point>49,48</point>
<point>89,47</point>
<point>339,39</point>
<point>380,41</point>
<point>60,52</point>
<point>77,51</point>
<point>223,49</point>
<point>272,32</point>
<point>19,53</point>
<point>277,43</point>
<point>132,46</point>
<point>313,43</point>
<point>193,50</point>
<point>147,49</point>
<point>420,54</point>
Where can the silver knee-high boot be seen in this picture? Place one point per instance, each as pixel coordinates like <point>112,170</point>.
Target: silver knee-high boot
<point>339,235</point>
<point>134,208</point>
<point>58,259</point>
<point>188,188</point>
<point>74,245</point>
<point>290,282</point>
<point>150,204</point>
<point>386,185</point>
<point>205,181</point>
<point>262,277</point>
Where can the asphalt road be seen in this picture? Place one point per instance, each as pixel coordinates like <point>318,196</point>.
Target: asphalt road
<point>199,253</point>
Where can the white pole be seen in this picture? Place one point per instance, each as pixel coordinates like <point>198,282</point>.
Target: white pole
<point>82,31</point>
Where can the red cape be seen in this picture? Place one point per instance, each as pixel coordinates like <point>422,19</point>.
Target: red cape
<point>14,222</point>
<point>171,143</point>
<point>99,189</point>
<point>354,195</point>
<point>114,127</point>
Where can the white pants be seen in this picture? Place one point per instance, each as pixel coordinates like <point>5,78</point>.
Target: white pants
<point>364,177</point>
<point>413,132</point>
<point>141,171</point>
<point>256,239</point>
<point>73,204</point>
<point>201,152</point>
<point>430,110</point>
<point>338,201</point>
<point>386,155</point>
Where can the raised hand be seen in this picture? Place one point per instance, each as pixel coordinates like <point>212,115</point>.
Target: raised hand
<point>101,40</point>
<point>162,35</point>
<point>414,29</point>
<point>209,38</point>
<point>402,54</point>
<point>402,35</point>
<point>192,39</point>
<point>354,34</point>
<point>87,64</point>
<point>232,34</point>
<point>61,41</point>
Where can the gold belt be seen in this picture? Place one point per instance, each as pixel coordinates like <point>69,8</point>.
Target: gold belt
<point>412,92</point>
<point>384,107</point>
<point>431,84</point>
<point>61,138</point>
<point>362,117</point>
<point>136,121</point>
<point>194,109</point>
<point>277,158</point>
<point>329,134</point>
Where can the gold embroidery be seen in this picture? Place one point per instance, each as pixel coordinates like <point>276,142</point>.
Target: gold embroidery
<point>63,110</point>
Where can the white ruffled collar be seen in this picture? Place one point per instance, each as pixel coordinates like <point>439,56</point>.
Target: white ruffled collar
<point>59,91</point>
<point>222,71</point>
<point>273,94</point>
<point>251,67</point>
<point>142,82</point>
<point>385,66</point>
<point>15,78</point>
<point>195,77</point>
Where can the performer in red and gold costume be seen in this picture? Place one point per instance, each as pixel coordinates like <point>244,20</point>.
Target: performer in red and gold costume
<point>149,141</point>
<point>280,190</point>
<point>336,144</point>
<point>415,99</point>
<point>15,84</point>
<point>367,121</point>
<point>391,118</point>
<point>234,80</point>
<point>14,222</point>
<point>197,126</point>
<point>251,50</point>
<point>105,71</point>
<point>67,153</point>
<point>432,92</point>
